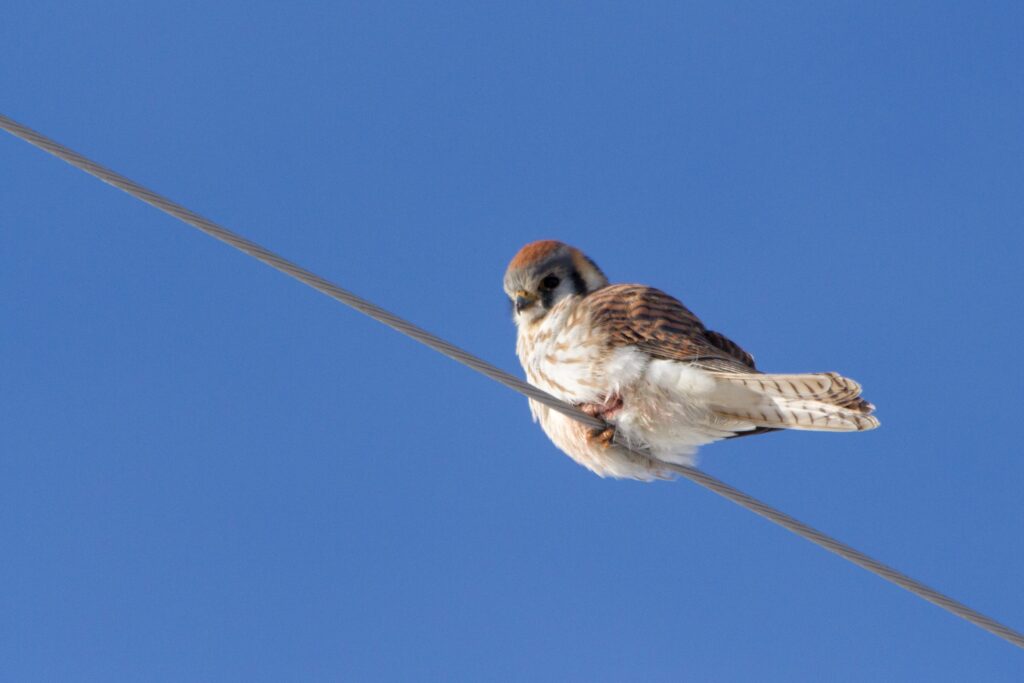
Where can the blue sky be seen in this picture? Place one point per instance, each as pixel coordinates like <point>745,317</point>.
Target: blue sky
<point>211,472</point>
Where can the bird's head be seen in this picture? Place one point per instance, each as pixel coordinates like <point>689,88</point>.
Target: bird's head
<point>543,273</point>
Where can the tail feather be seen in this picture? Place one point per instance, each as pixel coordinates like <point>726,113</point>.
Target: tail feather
<point>821,402</point>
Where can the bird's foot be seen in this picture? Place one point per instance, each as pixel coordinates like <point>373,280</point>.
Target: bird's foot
<point>602,437</point>
<point>606,410</point>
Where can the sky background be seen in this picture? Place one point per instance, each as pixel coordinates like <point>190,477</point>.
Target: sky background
<point>209,472</point>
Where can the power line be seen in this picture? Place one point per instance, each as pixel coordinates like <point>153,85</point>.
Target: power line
<point>455,353</point>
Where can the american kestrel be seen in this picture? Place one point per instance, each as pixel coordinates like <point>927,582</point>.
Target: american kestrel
<point>638,359</point>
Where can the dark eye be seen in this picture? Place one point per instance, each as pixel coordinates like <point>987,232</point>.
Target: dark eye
<point>550,282</point>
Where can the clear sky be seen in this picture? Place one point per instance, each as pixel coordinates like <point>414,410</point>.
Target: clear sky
<point>209,472</point>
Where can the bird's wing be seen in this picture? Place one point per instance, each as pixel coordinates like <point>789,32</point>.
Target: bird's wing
<point>656,323</point>
<point>660,325</point>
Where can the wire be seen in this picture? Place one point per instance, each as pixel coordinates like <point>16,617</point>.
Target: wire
<point>455,353</point>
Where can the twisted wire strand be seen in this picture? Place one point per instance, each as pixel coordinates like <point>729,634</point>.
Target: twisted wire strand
<point>441,346</point>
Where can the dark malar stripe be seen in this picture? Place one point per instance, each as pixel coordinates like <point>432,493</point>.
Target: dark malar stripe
<point>578,283</point>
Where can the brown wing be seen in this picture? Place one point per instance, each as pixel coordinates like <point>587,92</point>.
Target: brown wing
<point>634,315</point>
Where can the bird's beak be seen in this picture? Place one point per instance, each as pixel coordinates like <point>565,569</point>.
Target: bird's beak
<point>524,300</point>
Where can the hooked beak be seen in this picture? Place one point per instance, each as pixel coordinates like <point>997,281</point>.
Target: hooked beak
<point>524,300</point>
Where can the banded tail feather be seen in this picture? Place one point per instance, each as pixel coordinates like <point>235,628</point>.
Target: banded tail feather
<point>818,402</point>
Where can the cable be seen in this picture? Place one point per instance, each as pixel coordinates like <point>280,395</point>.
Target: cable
<point>455,353</point>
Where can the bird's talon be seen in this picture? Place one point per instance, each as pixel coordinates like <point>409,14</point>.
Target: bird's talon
<point>604,437</point>
<point>605,410</point>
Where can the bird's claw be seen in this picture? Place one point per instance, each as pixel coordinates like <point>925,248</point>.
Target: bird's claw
<point>605,411</point>
<point>603,437</point>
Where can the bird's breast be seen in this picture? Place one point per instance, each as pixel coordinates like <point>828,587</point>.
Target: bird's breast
<point>563,355</point>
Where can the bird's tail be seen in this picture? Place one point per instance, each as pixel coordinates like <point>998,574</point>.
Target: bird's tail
<point>821,402</point>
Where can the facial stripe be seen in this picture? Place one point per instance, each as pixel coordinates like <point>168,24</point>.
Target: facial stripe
<point>547,297</point>
<point>578,282</point>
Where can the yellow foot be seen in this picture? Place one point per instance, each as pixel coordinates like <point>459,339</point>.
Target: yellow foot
<point>603,437</point>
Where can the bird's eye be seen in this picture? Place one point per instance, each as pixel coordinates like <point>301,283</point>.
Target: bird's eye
<point>550,282</point>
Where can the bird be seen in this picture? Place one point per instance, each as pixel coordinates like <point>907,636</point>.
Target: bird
<point>640,361</point>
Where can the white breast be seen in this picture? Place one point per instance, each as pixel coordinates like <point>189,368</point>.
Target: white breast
<point>562,356</point>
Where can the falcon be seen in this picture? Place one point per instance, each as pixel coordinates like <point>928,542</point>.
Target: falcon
<point>639,360</point>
